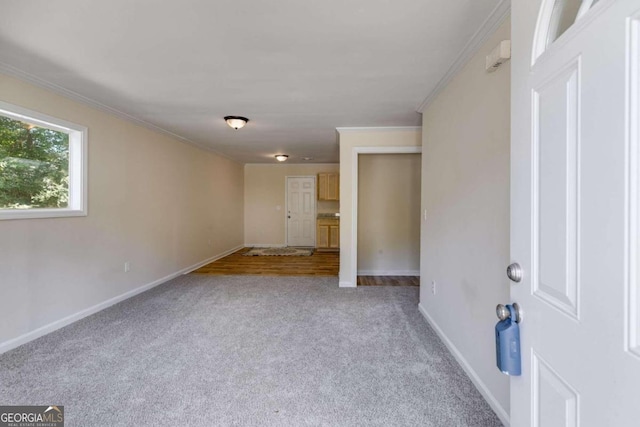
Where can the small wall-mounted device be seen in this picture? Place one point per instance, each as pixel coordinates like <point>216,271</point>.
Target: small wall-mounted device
<point>498,56</point>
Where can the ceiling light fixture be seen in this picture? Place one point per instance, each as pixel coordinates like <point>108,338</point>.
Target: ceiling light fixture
<point>236,122</point>
<point>282,157</point>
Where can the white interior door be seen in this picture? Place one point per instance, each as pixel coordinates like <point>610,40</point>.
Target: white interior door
<point>573,190</point>
<point>301,211</point>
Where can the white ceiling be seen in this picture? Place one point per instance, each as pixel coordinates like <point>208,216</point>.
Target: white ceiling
<point>298,69</point>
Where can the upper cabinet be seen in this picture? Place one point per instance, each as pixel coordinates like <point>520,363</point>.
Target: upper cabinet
<point>328,186</point>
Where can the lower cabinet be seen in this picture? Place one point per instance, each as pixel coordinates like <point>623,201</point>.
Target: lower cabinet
<point>328,234</point>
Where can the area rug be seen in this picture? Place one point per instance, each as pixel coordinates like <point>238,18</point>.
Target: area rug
<point>279,252</point>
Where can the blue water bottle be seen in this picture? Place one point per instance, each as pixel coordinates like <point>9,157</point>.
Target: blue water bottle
<point>508,341</point>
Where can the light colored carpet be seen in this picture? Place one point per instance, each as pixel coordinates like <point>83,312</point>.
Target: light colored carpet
<point>279,252</point>
<point>249,351</point>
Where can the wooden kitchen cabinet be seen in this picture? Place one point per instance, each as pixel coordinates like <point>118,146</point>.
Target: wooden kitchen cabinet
<point>328,186</point>
<point>328,234</point>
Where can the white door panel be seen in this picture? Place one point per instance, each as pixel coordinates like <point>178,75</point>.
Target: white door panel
<point>555,401</point>
<point>555,198</point>
<point>301,211</point>
<point>574,216</point>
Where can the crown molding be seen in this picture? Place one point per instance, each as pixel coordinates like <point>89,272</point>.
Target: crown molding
<point>378,129</point>
<point>488,27</point>
<point>67,93</point>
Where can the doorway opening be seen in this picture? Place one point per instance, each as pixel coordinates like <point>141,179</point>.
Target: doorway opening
<point>388,219</point>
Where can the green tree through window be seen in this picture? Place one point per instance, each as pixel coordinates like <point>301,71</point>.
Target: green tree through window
<point>34,166</point>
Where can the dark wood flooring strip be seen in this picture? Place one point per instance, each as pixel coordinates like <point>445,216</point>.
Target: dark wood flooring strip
<point>388,281</point>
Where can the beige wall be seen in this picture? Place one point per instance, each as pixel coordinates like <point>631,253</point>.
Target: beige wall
<point>465,190</point>
<point>389,214</point>
<point>265,200</point>
<point>352,140</point>
<point>158,203</point>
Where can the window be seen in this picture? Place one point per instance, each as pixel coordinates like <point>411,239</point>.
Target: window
<point>556,17</point>
<point>43,169</point>
<point>565,14</point>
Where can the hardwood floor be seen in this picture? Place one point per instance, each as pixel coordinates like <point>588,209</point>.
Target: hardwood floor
<point>318,264</point>
<point>388,281</point>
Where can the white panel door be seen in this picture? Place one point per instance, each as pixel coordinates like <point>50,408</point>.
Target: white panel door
<point>301,211</point>
<point>574,192</point>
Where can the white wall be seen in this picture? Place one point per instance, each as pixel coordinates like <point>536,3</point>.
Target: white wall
<point>389,214</point>
<point>351,141</point>
<point>156,202</point>
<point>465,240</point>
<point>265,191</point>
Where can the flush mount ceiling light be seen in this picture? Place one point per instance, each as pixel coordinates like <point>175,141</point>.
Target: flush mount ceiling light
<point>236,122</point>
<point>282,157</point>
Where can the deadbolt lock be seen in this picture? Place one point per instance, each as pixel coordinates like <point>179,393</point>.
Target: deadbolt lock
<point>514,272</point>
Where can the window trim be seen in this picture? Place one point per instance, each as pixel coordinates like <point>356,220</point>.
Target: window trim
<point>78,161</point>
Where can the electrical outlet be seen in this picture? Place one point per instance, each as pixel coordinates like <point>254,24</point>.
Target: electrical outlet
<point>433,287</point>
<point>127,266</point>
<point>425,215</point>
<point>209,242</point>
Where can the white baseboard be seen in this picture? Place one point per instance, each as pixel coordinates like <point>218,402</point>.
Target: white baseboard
<point>265,245</point>
<point>388,272</point>
<point>346,285</point>
<point>46,329</point>
<point>475,379</point>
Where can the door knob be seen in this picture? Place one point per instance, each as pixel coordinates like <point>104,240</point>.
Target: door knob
<point>514,272</point>
<point>503,312</point>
